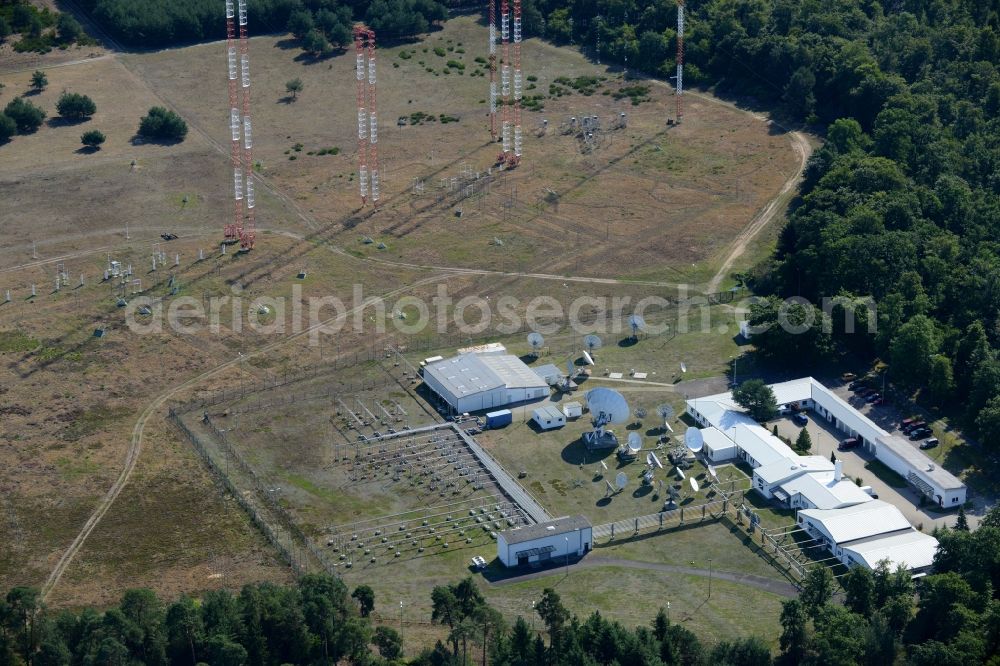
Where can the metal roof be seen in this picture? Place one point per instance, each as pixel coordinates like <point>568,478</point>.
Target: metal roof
<point>761,445</point>
<point>512,371</point>
<point>913,549</point>
<point>548,412</point>
<point>541,530</point>
<point>464,375</point>
<point>548,371</point>
<point>825,493</point>
<point>716,440</point>
<point>851,523</point>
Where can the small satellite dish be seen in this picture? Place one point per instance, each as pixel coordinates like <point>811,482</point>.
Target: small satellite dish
<point>680,474</point>
<point>592,342</point>
<point>634,442</point>
<point>712,473</point>
<point>536,341</point>
<point>588,358</point>
<point>693,439</point>
<point>649,458</point>
<point>694,484</point>
<point>604,466</point>
<point>667,426</point>
<point>656,461</point>
<point>621,480</point>
<point>608,405</point>
<point>684,367</point>
<point>611,488</point>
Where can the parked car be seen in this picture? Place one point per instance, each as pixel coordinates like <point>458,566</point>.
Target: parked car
<point>849,443</point>
<point>800,419</point>
<point>930,443</point>
<point>872,397</point>
<point>906,422</point>
<point>478,562</point>
<point>856,385</point>
<point>920,433</point>
<point>913,426</point>
<point>879,400</point>
<point>848,377</point>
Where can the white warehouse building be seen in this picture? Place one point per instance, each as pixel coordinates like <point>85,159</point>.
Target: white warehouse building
<point>569,536</point>
<point>721,412</point>
<point>473,382</point>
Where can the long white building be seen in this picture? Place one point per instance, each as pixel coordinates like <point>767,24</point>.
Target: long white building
<point>938,485</point>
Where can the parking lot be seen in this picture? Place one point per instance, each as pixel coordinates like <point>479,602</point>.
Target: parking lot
<point>824,442</point>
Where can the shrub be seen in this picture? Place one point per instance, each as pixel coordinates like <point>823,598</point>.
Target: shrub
<point>440,52</point>
<point>92,139</point>
<point>162,124</point>
<point>8,127</point>
<point>455,64</point>
<point>74,106</point>
<point>39,80</point>
<point>25,115</point>
<point>69,28</point>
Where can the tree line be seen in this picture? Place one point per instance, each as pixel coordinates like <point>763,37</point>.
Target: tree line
<point>326,24</point>
<point>949,618</point>
<point>901,204</point>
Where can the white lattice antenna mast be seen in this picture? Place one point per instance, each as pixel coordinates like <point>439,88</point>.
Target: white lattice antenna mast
<point>373,121</point>
<point>248,234</point>
<point>360,37</point>
<point>493,69</point>
<point>505,124</point>
<point>517,86</point>
<point>232,230</point>
<point>680,59</point>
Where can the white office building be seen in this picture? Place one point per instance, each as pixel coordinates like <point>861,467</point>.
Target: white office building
<point>721,412</point>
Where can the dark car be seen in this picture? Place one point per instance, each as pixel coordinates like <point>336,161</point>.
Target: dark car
<point>872,397</point>
<point>856,385</point>
<point>906,422</point>
<point>849,443</point>
<point>913,426</point>
<point>800,419</point>
<point>930,443</point>
<point>879,400</point>
<point>920,433</point>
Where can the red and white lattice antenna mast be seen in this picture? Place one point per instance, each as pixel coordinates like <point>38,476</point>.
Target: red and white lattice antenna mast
<point>493,69</point>
<point>232,230</point>
<point>515,159</point>
<point>505,124</point>
<point>360,70</point>
<point>373,121</point>
<point>679,91</point>
<point>248,234</point>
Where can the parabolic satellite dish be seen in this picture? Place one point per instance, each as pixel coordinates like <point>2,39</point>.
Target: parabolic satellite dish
<point>684,367</point>
<point>693,439</point>
<point>656,461</point>
<point>694,484</point>
<point>649,458</point>
<point>636,322</point>
<point>588,358</point>
<point>634,442</point>
<point>621,480</point>
<point>604,466</point>
<point>536,340</point>
<point>592,342</point>
<point>680,474</point>
<point>711,473</point>
<point>607,405</point>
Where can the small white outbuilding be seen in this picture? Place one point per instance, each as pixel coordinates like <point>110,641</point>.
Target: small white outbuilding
<point>548,417</point>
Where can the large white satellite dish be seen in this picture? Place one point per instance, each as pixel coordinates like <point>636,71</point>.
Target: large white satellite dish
<point>621,480</point>
<point>694,484</point>
<point>693,439</point>
<point>634,442</point>
<point>588,358</point>
<point>680,474</point>
<point>712,473</point>
<point>536,341</point>
<point>608,405</point>
<point>592,342</point>
<point>656,461</point>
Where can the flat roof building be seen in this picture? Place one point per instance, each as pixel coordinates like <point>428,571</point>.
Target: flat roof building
<point>568,536</point>
<point>721,412</point>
